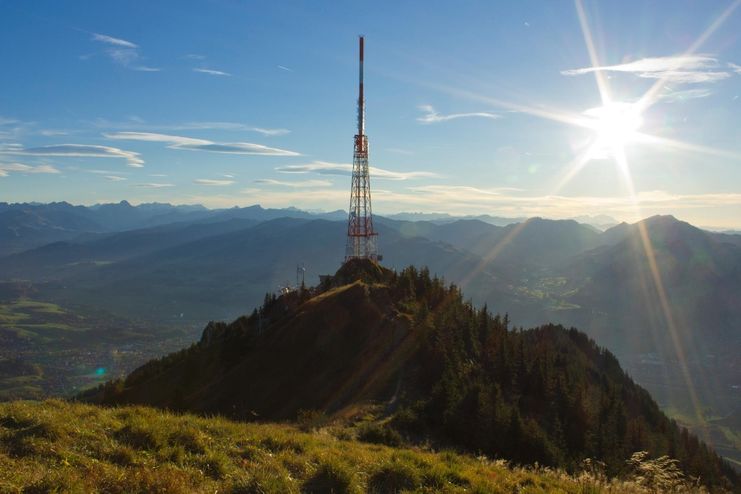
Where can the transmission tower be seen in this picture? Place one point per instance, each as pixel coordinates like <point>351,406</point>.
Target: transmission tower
<point>361,238</point>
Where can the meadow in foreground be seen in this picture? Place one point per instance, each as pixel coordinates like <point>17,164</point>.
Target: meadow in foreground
<point>58,446</point>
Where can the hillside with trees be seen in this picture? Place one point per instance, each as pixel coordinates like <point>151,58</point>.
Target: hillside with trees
<point>434,368</point>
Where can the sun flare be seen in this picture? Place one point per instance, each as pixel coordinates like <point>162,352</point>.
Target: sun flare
<point>615,125</point>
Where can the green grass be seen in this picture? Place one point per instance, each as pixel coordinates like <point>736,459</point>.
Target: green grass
<point>36,306</point>
<point>9,316</point>
<point>33,319</point>
<point>57,446</point>
<point>726,439</point>
<point>51,326</point>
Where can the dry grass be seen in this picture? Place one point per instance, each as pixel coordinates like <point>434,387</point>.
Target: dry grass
<point>56,446</point>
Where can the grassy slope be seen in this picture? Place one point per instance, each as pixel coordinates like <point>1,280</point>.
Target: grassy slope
<point>56,446</point>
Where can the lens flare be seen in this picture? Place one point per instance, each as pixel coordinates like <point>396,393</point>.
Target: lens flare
<point>615,125</point>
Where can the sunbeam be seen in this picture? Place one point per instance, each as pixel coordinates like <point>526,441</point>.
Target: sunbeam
<point>652,95</point>
<point>493,253</point>
<point>640,137</point>
<point>660,290</point>
<point>599,76</point>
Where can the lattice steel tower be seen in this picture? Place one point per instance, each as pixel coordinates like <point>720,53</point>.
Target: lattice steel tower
<point>361,238</point>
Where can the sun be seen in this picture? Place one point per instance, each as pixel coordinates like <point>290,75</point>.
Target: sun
<point>615,125</point>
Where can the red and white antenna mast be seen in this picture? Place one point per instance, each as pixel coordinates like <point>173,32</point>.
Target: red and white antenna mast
<point>361,238</point>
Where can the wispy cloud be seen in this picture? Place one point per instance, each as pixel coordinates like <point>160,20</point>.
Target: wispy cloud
<point>154,186</point>
<point>123,52</point>
<point>102,172</point>
<point>12,129</point>
<point>431,116</point>
<point>270,132</point>
<point>8,168</point>
<point>212,182</point>
<point>735,67</point>
<point>193,144</point>
<point>231,126</point>
<point>320,167</point>
<point>326,168</point>
<point>283,67</point>
<point>104,38</point>
<point>212,72</point>
<point>144,68</point>
<point>234,126</point>
<point>153,137</point>
<point>43,169</point>
<point>78,151</point>
<point>114,178</point>
<point>53,133</point>
<point>686,94</point>
<point>684,69</point>
<point>297,184</point>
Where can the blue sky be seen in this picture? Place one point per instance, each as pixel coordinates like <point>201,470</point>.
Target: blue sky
<point>472,107</point>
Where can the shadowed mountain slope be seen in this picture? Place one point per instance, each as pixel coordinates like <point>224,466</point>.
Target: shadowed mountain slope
<point>666,278</point>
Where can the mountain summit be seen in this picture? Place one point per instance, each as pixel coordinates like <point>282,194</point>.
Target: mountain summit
<point>432,366</point>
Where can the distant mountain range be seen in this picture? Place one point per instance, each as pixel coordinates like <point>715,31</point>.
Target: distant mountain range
<point>27,225</point>
<point>663,295</point>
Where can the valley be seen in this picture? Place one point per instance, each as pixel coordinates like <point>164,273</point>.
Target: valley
<point>52,350</point>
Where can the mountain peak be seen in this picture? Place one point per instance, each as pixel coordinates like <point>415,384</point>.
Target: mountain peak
<point>668,225</point>
<point>661,219</point>
<point>361,269</point>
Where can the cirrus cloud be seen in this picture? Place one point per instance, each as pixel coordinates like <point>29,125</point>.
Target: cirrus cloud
<point>295,184</point>
<point>78,151</point>
<point>104,38</point>
<point>7,168</point>
<point>327,168</point>
<point>683,69</point>
<point>213,182</point>
<point>154,186</point>
<point>123,52</point>
<point>193,144</point>
<point>220,73</point>
<point>431,116</point>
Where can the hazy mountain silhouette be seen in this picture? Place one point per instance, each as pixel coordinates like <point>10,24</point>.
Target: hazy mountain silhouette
<point>29,225</point>
<point>699,275</point>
